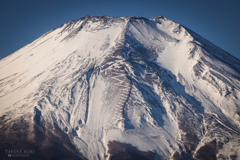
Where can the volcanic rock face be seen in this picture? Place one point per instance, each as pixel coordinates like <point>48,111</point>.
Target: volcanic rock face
<point>121,88</point>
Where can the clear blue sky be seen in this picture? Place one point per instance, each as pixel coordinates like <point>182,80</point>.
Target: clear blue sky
<point>22,21</point>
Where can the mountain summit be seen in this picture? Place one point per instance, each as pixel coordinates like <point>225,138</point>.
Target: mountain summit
<point>121,88</point>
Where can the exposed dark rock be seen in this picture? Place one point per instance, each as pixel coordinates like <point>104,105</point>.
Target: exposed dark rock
<point>32,133</point>
<point>177,156</point>
<point>124,151</point>
<point>208,151</point>
<point>233,157</point>
<point>188,125</point>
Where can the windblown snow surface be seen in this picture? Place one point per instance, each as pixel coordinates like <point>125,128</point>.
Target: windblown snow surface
<point>121,88</point>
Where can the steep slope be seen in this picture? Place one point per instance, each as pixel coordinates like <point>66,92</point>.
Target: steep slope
<point>119,88</point>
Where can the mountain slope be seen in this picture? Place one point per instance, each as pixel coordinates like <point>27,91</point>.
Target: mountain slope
<point>118,88</point>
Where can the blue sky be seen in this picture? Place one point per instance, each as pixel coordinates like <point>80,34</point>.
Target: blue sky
<point>22,21</point>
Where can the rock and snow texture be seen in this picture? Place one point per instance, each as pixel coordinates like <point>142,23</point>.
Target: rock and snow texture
<point>121,88</point>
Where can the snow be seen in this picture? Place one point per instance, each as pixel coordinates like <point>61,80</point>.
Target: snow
<point>127,79</point>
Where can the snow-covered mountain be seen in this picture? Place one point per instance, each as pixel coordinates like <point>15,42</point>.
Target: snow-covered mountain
<point>121,88</point>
